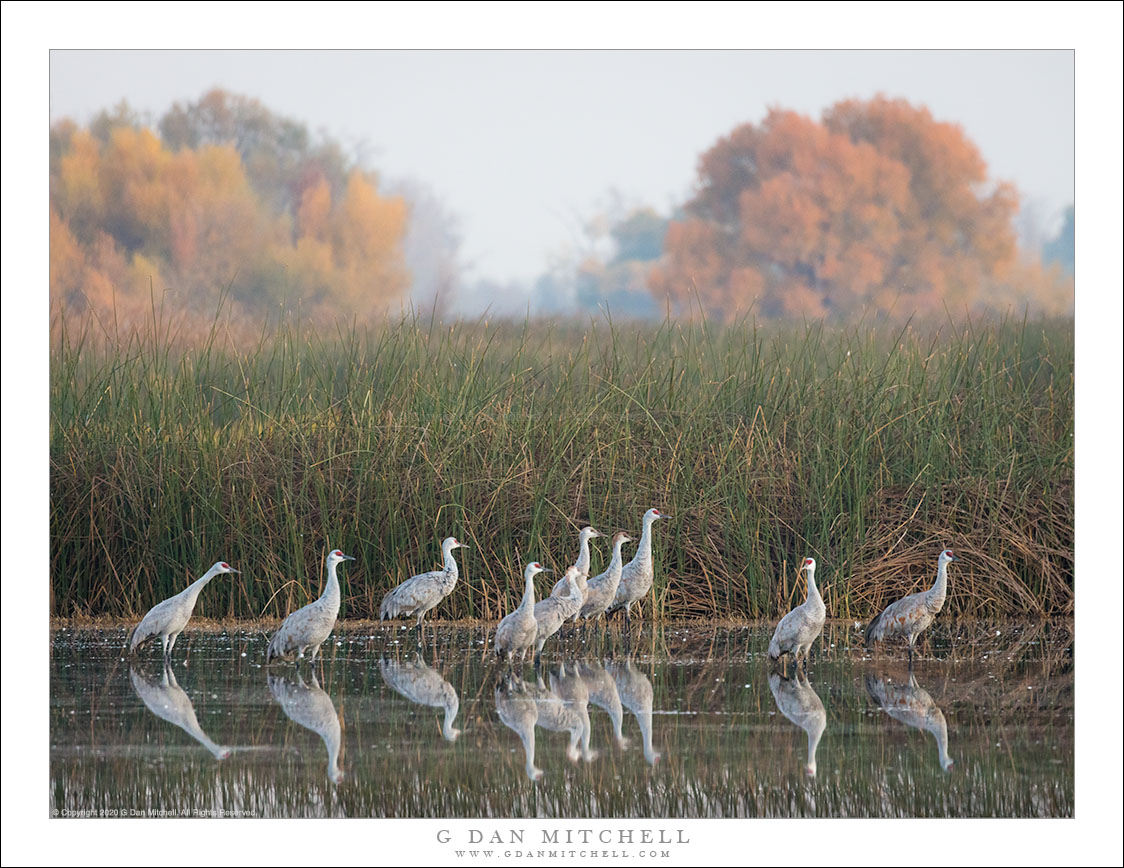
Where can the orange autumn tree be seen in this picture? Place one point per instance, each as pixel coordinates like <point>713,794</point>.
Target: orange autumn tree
<point>134,219</point>
<point>879,207</point>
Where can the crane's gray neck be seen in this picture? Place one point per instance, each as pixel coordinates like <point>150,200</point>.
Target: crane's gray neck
<point>528,592</point>
<point>813,591</point>
<point>332,589</point>
<point>644,549</point>
<point>618,557</point>
<point>582,563</point>
<point>940,586</point>
<point>199,584</point>
<point>451,563</point>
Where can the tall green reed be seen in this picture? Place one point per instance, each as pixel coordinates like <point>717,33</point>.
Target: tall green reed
<point>870,447</point>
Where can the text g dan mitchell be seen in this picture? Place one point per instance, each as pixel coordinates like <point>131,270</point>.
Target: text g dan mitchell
<point>566,836</point>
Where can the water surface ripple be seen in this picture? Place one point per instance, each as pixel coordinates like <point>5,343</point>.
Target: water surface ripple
<point>687,722</point>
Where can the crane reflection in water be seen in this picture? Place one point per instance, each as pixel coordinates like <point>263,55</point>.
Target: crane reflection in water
<point>420,683</point>
<point>168,701</point>
<point>306,704</point>
<point>802,705</point>
<point>911,704</point>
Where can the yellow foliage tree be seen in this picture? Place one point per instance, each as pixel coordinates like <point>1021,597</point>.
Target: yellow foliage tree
<point>129,217</point>
<point>877,208</point>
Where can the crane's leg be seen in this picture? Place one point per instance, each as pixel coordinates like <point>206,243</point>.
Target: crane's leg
<point>910,653</point>
<point>164,639</point>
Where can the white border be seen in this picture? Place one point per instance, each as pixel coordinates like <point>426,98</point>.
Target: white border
<point>29,30</point>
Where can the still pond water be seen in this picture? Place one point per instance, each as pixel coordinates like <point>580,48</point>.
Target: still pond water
<point>688,722</point>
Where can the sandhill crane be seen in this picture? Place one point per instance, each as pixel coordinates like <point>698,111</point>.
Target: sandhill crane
<point>572,689</point>
<point>310,625</point>
<point>309,706</point>
<point>635,691</point>
<point>603,693</point>
<point>552,613</point>
<point>910,615</point>
<point>519,712</point>
<point>557,716</point>
<point>601,590</point>
<point>418,594</point>
<point>516,631</point>
<point>636,575</point>
<point>912,705</point>
<point>802,705</point>
<point>422,684</point>
<point>581,564</point>
<point>167,619</point>
<point>168,701</point>
<point>799,628</point>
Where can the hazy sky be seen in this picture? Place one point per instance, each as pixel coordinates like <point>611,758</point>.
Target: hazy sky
<point>523,145</point>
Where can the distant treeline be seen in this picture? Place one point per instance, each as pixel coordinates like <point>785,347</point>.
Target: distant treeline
<point>870,448</point>
<point>876,208</point>
<point>224,199</point>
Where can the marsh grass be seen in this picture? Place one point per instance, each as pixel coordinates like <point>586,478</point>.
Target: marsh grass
<point>867,447</point>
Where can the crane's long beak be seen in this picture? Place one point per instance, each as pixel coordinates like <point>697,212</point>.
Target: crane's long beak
<point>348,558</point>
